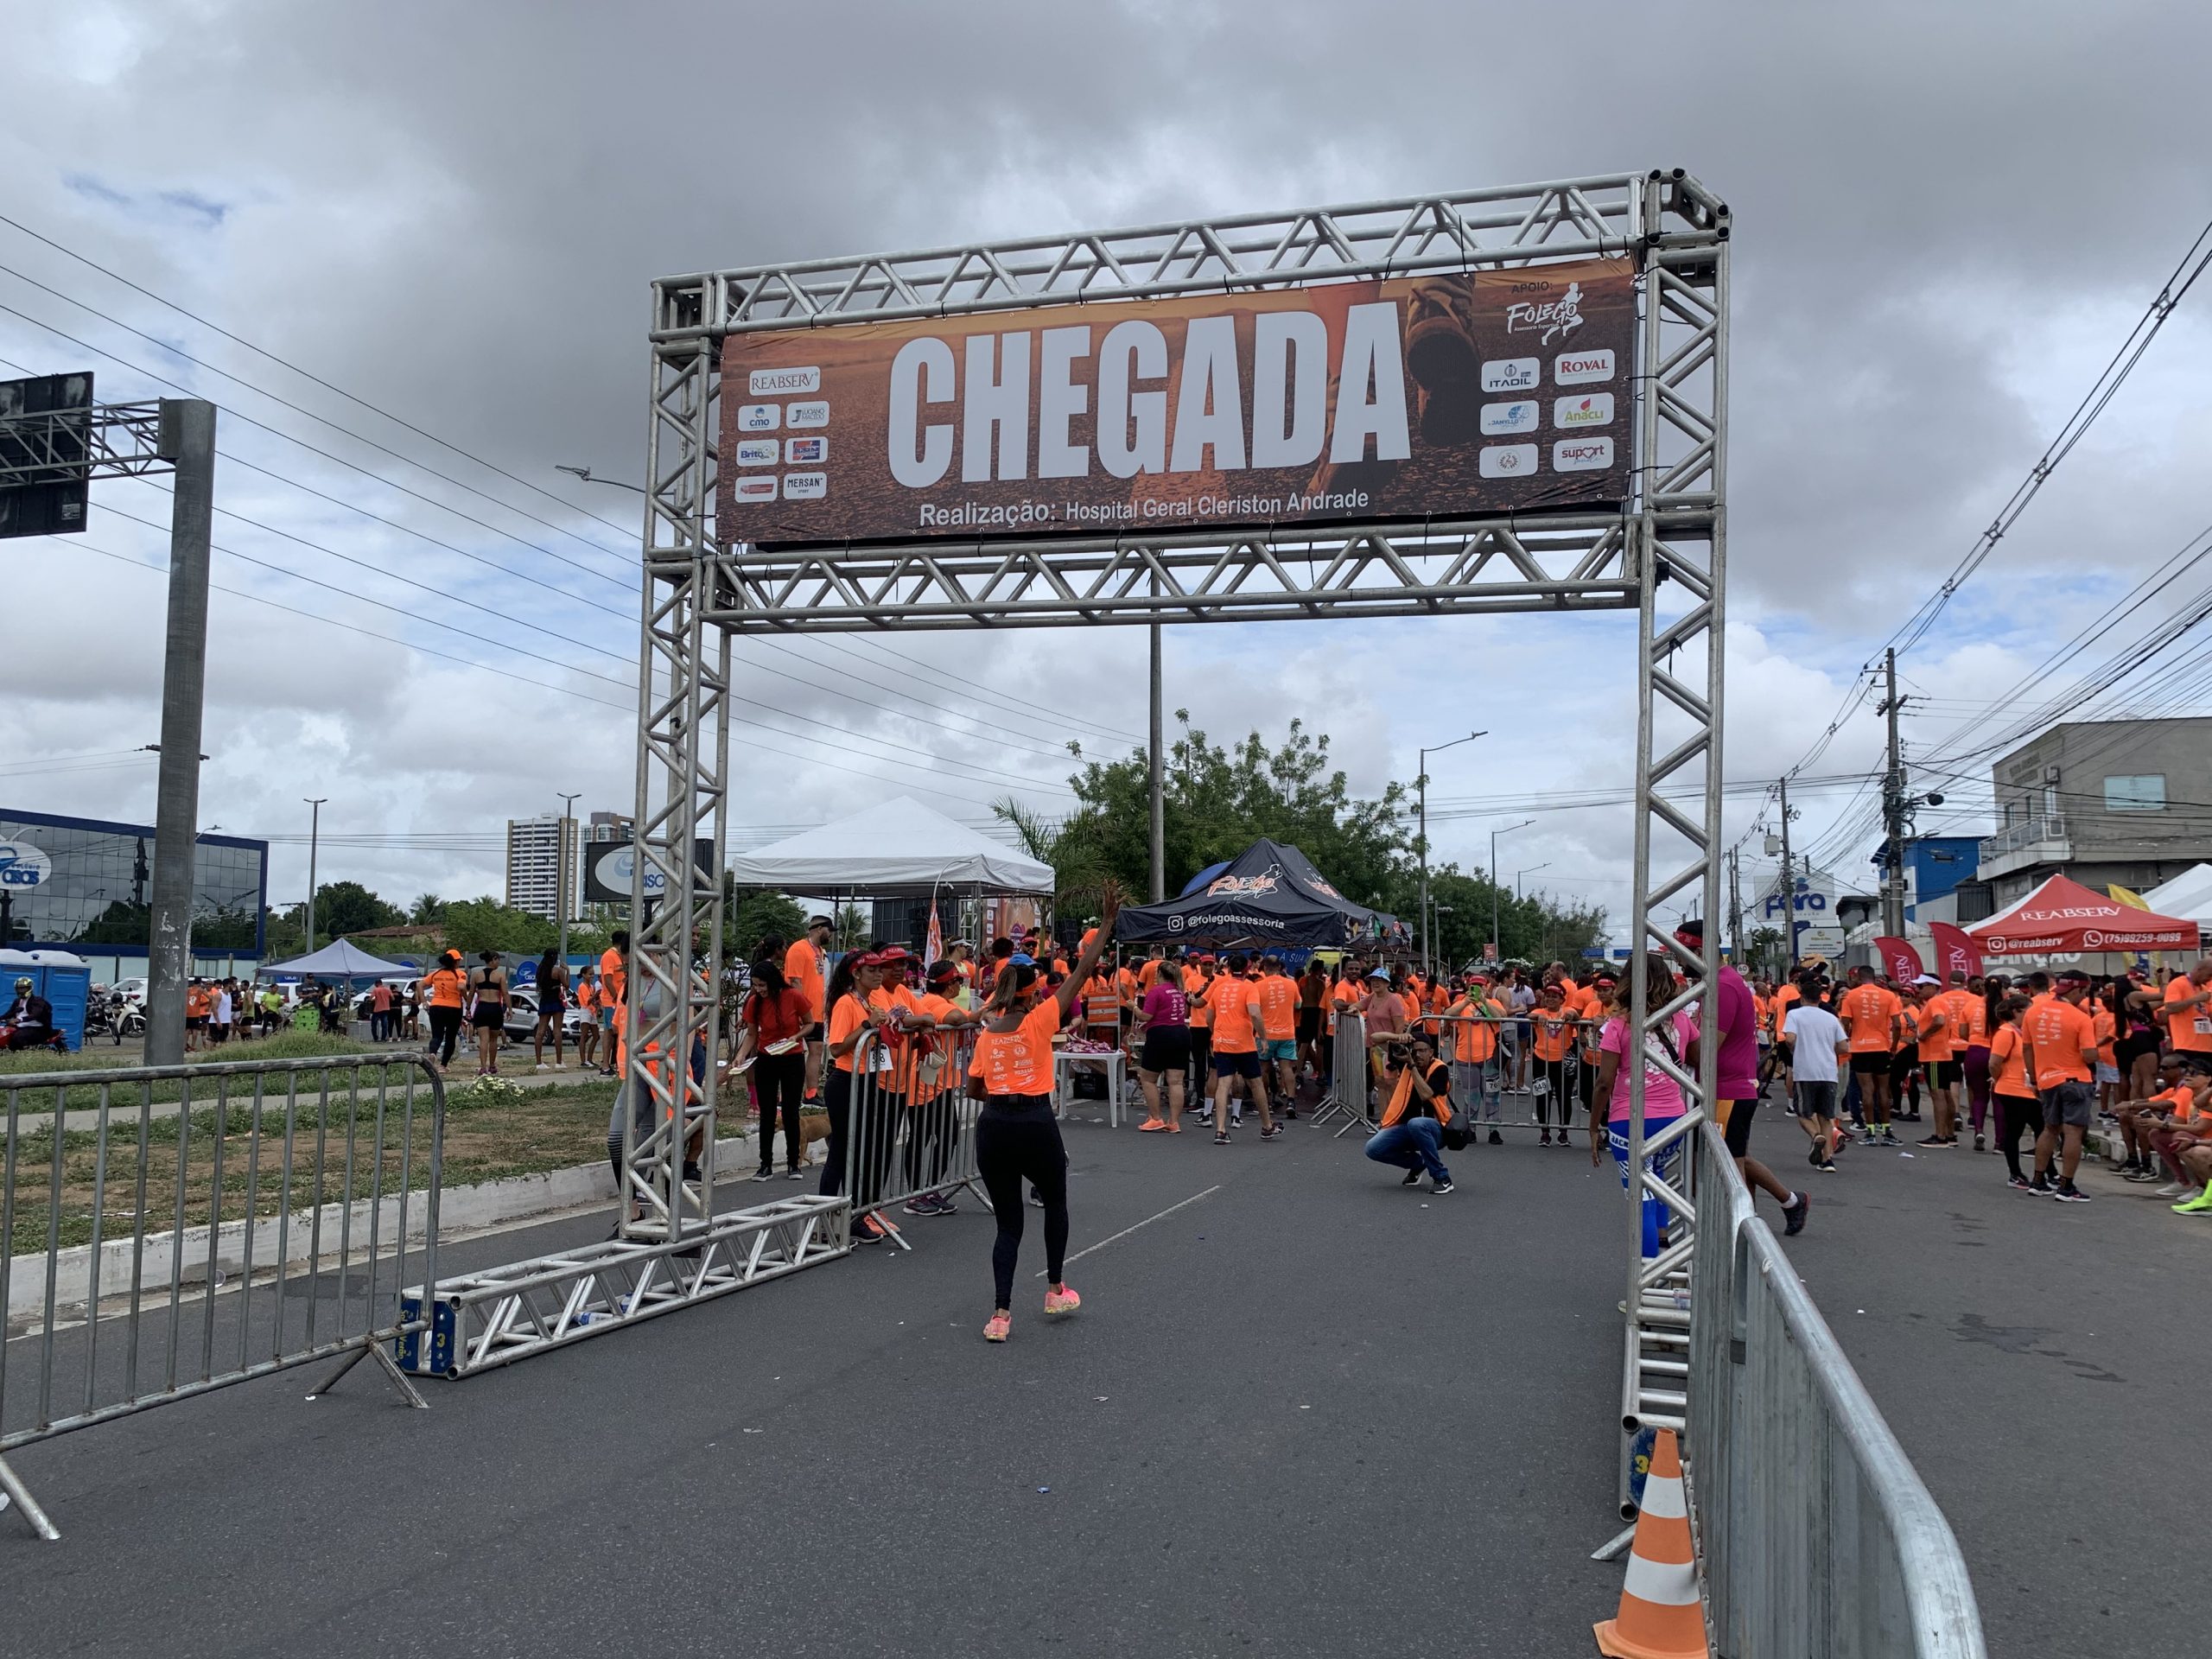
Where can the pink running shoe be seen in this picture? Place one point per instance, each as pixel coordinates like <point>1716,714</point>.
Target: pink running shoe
<point>1063,1300</point>
<point>1000,1326</point>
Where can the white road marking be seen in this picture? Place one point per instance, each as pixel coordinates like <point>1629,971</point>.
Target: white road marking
<point>1146,1222</point>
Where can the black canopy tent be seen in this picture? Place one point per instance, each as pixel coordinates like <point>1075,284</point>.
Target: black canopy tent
<point>1267,894</point>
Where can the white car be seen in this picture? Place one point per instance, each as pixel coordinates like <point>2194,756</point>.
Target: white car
<point>132,990</point>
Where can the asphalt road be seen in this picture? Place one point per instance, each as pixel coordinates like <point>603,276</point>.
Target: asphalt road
<point>2036,1360</point>
<point>1309,1413</point>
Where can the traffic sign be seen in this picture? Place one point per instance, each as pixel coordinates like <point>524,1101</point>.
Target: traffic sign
<point>46,468</point>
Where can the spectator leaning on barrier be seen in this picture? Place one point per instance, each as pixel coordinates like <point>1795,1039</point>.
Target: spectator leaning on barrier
<point>2061,1039</point>
<point>1416,1113</point>
<point>1662,1097</point>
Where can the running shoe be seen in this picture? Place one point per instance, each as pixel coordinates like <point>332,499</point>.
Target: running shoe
<point>1237,1120</point>
<point>925,1205</point>
<point>2041,1188</point>
<point>2201,1204</point>
<point>1792,1222</point>
<point>2066,1192</point>
<point>2020,1183</point>
<point>1495,1139</point>
<point>1291,1112</point>
<point>945,1206</point>
<point>1271,1132</point>
<point>1440,1189</point>
<point>1221,1137</point>
<point>1890,1139</point>
<point>1413,1178</point>
<point>1151,1126</point>
<point>1827,1167</point>
<point>1174,1128</point>
<point>1868,1138</point>
<point>998,1327</point>
<point>794,1174</point>
<point>1545,1139</point>
<point>2171,1190</point>
<point>1036,1197</point>
<point>1814,1156</point>
<point>765,1173</point>
<point>870,1229</point>
<point>1980,1142</point>
<point>1934,1141</point>
<point>1063,1300</point>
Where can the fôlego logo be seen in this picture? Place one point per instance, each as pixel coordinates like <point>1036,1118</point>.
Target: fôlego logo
<point>815,450</point>
<point>805,487</point>
<point>767,382</point>
<point>1591,409</point>
<point>797,416</point>
<point>1507,460</point>
<point>759,417</point>
<point>1582,455</point>
<point>1240,885</point>
<point>22,865</point>
<point>1499,419</point>
<point>1511,374</point>
<point>1580,368</point>
<point>756,452</point>
<point>759,486</point>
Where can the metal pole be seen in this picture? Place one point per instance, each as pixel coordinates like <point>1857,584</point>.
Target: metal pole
<point>187,438</point>
<point>1421,783</point>
<point>1788,888</point>
<point>315,841</point>
<point>1156,782</point>
<point>1735,911</point>
<point>560,870</point>
<point>1892,811</point>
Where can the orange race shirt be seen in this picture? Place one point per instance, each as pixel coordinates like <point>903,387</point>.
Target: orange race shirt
<point>611,975</point>
<point>1279,1007</point>
<point>803,968</point>
<point>2180,1103</point>
<point>1229,1002</point>
<point>2008,1070</point>
<point>848,1017</point>
<point>1960,1025</point>
<point>1553,1032</point>
<point>1195,986</point>
<point>1017,1062</point>
<point>1935,1022</point>
<point>445,989</point>
<point>907,1078</point>
<point>2104,1023</point>
<point>2059,1033</point>
<point>2191,1030</point>
<point>1866,1012</point>
<point>1474,1037</point>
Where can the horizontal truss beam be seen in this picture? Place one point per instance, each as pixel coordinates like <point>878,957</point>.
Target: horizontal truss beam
<point>61,446</point>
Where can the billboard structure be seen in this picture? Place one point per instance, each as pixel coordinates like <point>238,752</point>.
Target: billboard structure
<point>1502,400</point>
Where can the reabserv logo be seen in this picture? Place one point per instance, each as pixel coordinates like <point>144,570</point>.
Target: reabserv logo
<point>773,382</point>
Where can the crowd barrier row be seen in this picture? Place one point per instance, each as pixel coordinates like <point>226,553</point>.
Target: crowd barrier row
<point>169,1230</point>
<point>1483,1054</point>
<point>910,1129</point>
<point>1816,1536</point>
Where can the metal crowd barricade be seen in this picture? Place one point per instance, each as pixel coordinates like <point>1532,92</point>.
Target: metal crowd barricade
<point>1348,1094</point>
<point>912,1130</point>
<point>1483,1088</point>
<point>1816,1536</point>
<point>169,1231</point>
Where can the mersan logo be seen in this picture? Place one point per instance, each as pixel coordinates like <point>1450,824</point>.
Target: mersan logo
<point>1548,319</point>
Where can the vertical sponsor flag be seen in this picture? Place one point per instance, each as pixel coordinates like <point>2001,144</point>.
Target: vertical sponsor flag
<point>1899,959</point>
<point>2125,896</point>
<point>933,950</point>
<point>1955,949</point>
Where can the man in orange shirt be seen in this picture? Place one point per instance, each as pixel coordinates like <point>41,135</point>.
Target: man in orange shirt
<point>1932,1020</point>
<point>2061,1039</point>
<point>613,984</point>
<point>2187,1014</point>
<point>1278,993</point>
<point>1472,1023</point>
<point>1964,1016</point>
<point>1874,1015</point>
<point>1234,1002</point>
<point>805,970</point>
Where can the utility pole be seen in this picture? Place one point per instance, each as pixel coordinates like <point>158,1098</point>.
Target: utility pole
<point>1497,943</point>
<point>1420,785</point>
<point>561,869</point>
<point>1735,911</point>
<point>1788,889</point>
<point>1156,782</point>
<point>1893,811</point>
<point>187,438</point>
<point>314,839</point>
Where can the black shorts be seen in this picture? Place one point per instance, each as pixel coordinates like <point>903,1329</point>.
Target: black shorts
<point>1738,1129</point>
<point>1166,1048</point>
<point>812,1033</point>
<point>2131,1048</point>
<point>1815,1100</point>
<point>1941,1074</point>
<point>1873,1063</point>
<point>1309,1025</point>
<point>489,1014</point>
<point>1245,1063</point>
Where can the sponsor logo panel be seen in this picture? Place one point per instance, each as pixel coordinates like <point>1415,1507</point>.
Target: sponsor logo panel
<point>1512,374</point>
<point>759,417</point>
<point>799,451</point>
<point>1591,409</point>
<point>1499,419</point>
<point>756,452</point>
<point>1582,455</point>
<point>805,487</point>
<point>1582,368</point>
<point>770,383</point>
<point>1508,460</point>
<point>755,486</point>
<point>800,415</point>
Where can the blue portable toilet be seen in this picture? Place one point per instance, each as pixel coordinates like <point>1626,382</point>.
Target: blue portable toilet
<point>64,980</point>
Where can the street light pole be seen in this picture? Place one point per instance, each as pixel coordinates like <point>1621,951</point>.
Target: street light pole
<point>561,871</point>
<point>1531,870</point>
<point>315,837</point>
<point>1497,943</point>
<point>1420,784</point>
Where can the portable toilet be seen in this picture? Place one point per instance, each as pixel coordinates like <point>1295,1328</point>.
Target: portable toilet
<point>63,979</point>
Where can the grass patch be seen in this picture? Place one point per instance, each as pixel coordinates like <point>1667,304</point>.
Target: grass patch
<point>54,1069</point>
<point>535,1130</point>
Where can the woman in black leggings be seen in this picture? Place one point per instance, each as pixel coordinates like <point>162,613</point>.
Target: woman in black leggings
<point>2012,1078</point>
<point>1017,1137</point>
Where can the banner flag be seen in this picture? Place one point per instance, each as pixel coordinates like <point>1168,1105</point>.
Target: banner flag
<point>1899,959</point>
<point>1955,949</point>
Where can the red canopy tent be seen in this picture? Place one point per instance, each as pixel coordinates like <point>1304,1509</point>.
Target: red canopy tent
<point>2061,917</point>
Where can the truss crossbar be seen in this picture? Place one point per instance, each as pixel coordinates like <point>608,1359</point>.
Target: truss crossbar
<point>63,445</point>
<point>490,1319</point>
<point>1561,219</point>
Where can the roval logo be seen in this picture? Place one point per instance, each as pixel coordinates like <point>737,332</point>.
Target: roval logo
<point>767,383</point>
<point>1581,455</point>
<point>1577,368</point>
<point>1591,409</point>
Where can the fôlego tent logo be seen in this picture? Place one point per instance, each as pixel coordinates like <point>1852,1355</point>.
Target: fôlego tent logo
<point>22,865</point>
<point>1240,885</point>
<point>770,383</point>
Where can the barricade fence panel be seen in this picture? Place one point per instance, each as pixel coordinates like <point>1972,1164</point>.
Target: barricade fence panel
<point>909,1127</point>
<point>1815,1535</point>
<point>173,1229</point>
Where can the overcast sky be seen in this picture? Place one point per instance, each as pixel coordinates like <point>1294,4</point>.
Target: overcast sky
<point>1947,218</point>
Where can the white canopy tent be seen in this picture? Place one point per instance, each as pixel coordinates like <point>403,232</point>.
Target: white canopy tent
<point>337,960</point>
<point>2188,895</point>
<point>896,849</point>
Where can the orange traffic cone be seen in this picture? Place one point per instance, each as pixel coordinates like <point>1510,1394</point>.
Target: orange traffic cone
<point>1660,1617</point>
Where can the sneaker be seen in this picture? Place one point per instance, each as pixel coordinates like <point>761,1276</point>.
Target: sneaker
<point>2019,1184</point>
<point>945,1206</point>
<point>1793,1218</point>
<point>869,1229</point>
<point>1440,1189</point>
<point>1221,1137</point>
<point>1413,1178</point>
<point>1036,1197</point>
<point>1545,1139</point>
<point>795,1173</point>
<point>1495,1139</point>
<point>1237,1120</point>
<point>1151,1126</point>
<point>1980,1142</point>
<point>1063,1300</point>
<point>1813,1155</point>
<point>1828,1167</point>
<point>998,1327</point>
<point>763,1173</point>
<point>925,1205</point>
<point>1934,1141</point>
<point>1290,1113</point>
<point>2041,1187</point>
<point>2066,1192</point>
<point>2171,1190</point>
<point>1271,1132</point>
<point>2196,1207</point>
<point>1890,1139</point>
<point>1868,1138</point>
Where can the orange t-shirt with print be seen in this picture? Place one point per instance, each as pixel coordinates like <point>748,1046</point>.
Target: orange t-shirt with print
<point>1017,1062</point>
<point>1230,1004</point>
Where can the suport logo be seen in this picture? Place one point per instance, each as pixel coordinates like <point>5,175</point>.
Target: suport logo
<point>1591,409</point>
<point>769,383</point>
<point>1582,455</point>
<point>814,450</point>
